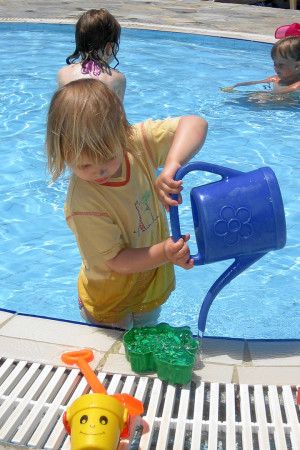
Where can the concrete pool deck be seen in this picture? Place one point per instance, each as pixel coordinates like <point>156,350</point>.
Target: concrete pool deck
<point>221,360</point>
<point>234,20</point>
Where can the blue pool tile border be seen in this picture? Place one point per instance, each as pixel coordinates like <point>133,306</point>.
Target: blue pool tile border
<point>58,320</point>
<point>29,26</point>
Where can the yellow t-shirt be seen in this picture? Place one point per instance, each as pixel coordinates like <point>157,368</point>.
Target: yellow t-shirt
<point>123,213</point>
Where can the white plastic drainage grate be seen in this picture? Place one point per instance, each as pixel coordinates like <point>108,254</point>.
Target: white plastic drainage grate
<point>196,416</point>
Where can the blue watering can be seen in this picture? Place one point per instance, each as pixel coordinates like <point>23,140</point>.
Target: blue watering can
<point>240,216</point>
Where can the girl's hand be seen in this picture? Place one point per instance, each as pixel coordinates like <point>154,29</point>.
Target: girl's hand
<point>165,185</point>
<point>227,89</point>
<point>188,139</point>
<point>178,252</point>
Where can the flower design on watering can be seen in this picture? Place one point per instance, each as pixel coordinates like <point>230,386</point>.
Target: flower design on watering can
<point>234,224</point>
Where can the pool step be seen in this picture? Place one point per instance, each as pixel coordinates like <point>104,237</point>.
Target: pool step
<point>198,415</point>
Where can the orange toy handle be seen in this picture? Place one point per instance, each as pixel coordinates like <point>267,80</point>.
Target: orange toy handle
<point>81,358</point>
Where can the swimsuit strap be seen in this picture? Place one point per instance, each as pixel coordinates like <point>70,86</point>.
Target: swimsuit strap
<point>92,69</point>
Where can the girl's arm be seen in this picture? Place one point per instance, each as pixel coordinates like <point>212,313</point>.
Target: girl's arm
<point>60,75</point>
<point>118,84</point>
<point>292,88</point>
<point>249,83</point>
<point>136,260</point>
<point>188,139</point>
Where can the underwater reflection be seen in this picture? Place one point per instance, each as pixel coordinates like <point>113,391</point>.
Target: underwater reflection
<point>263,100</point>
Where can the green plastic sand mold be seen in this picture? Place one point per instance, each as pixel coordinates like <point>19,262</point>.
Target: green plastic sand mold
<point>168,351</point>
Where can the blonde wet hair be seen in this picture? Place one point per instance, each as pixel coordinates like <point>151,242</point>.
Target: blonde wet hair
<point>85,117</point>
<point>287,48</point>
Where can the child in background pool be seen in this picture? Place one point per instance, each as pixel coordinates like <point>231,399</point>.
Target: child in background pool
<point>286,56</point>
<point>115,204</point>
<point>97,37</point>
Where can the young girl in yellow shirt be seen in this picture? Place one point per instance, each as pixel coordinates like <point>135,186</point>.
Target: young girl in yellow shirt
<point>115,204</point>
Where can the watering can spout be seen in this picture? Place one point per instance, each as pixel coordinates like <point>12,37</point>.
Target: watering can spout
<point>240,264</point>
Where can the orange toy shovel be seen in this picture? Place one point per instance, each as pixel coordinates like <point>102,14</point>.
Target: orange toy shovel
<point>81,358</point>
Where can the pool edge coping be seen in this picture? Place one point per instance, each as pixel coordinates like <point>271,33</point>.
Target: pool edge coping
<point>222,360</point>
<point>155,27</point>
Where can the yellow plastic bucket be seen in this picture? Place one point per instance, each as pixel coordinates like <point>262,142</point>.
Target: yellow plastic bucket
<point>96,422</point>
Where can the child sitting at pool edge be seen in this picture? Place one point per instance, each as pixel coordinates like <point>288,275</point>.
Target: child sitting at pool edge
<point>286,56</point>
<point>97,37</point>
<point>115,204</point>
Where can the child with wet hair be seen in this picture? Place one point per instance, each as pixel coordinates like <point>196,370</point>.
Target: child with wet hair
<point>97,37</point>
<point>115,204</point>
<point>286,56</point>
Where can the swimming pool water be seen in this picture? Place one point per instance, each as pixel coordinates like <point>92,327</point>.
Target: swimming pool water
<point>168,74</point>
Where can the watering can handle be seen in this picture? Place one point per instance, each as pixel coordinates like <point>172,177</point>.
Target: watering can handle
<point>205,167</point>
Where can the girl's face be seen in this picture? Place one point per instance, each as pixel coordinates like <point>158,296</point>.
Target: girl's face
<point>286,69</point>
<point>100,173</point>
